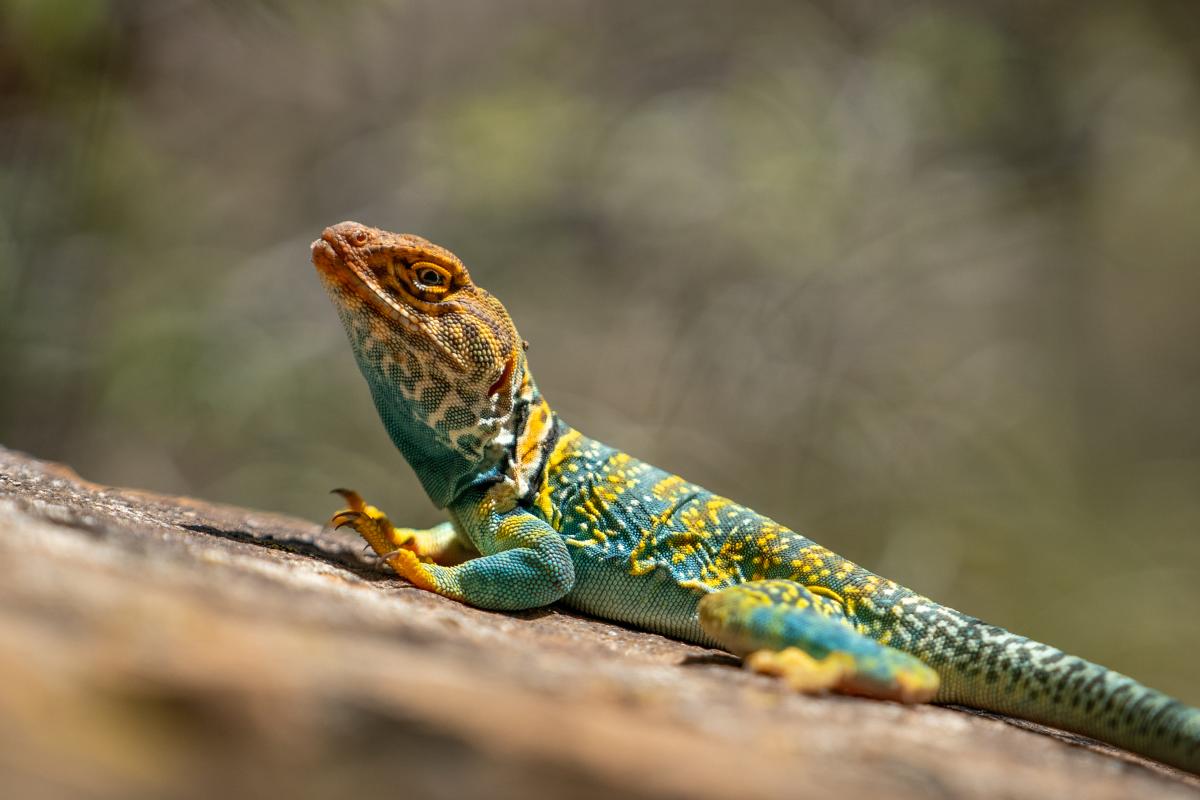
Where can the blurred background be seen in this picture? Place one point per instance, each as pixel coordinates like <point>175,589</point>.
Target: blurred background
<point>918,279</point>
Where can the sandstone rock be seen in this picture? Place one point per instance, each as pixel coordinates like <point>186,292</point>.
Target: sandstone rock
<point>158,646</point>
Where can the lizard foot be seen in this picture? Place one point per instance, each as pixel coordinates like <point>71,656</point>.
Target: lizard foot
<point>396,547</point>
<point>373,525</point>
<point>800,670</point>
<point>843,673</point>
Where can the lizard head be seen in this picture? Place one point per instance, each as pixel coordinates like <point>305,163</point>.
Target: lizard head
<point>442,357</point>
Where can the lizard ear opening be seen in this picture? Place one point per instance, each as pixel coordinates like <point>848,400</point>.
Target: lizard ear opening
<point>505,377</point>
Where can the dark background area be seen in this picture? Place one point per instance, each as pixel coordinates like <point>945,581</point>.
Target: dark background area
<point>918,279</point>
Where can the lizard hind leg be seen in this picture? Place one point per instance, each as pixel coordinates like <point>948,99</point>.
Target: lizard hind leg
<point>783,628</point>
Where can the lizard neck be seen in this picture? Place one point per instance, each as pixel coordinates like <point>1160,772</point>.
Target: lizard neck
<point>446,471</point>
<point>451,447</point>
<point>503,452</point>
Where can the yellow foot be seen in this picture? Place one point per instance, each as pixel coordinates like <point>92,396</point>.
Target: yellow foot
<point>801,671</point>
<point>373,525</point>
<point>396,547</point>
<point>840,672</point>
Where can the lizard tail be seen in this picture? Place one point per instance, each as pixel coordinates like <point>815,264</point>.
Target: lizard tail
<point>987,667</point>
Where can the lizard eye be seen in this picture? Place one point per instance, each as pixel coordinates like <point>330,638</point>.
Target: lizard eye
<point>429,277</point>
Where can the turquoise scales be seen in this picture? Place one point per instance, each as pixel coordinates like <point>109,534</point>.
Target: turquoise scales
<point>540,513</point>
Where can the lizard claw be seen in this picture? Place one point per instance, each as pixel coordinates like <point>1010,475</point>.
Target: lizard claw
<point>380,557</point>
<point>344,518</point>
<point>352,498</point>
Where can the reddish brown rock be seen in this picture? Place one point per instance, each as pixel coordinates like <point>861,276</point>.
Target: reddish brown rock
<point>157,646</point>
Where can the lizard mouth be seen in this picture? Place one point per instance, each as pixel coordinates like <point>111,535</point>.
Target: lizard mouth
<point>336,263</point>
<point>323,255</point>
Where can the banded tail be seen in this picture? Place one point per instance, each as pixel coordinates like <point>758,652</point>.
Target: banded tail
<point>989,668</point>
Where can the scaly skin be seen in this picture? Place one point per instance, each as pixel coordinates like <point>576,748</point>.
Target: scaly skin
<point>540,513</point>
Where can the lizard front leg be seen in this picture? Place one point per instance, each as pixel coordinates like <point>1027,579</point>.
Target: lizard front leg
<point>524,562</point>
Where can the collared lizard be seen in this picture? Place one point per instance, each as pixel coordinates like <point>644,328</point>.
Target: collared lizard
<point>539,513</point>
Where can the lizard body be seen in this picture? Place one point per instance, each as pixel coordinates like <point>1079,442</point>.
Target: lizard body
<point>540,513</point>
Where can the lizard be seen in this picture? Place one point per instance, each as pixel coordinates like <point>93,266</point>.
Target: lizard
<point>539,513</point>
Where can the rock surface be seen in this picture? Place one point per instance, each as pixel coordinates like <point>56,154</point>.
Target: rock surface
<point>157,646</point>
